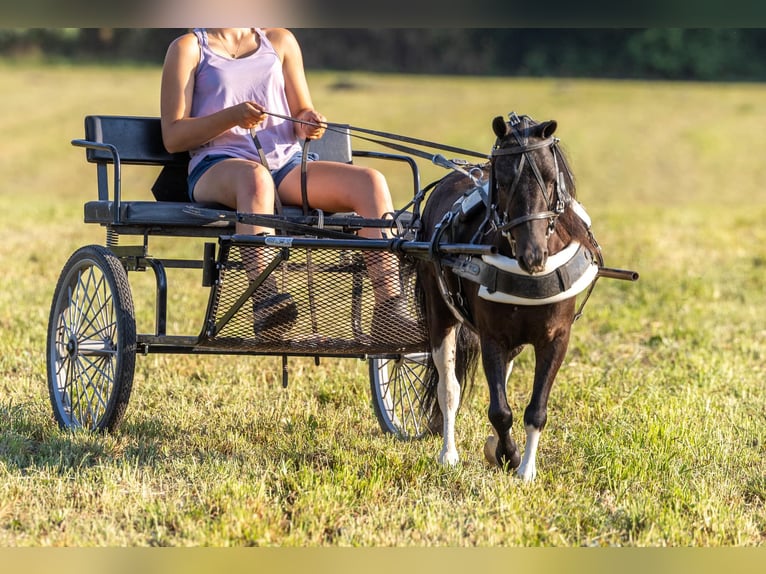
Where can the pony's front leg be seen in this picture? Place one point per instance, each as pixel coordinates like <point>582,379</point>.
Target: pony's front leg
<point>490,445</point>
<point>548,359</point>
<point>448,393</point>
<point>496,367</point>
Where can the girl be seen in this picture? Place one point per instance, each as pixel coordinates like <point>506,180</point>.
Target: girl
<point>217,85</point>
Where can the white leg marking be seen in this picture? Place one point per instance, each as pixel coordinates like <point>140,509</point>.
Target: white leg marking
<point>490,446</point>
<point>527,469</point>
<point>508,372</point>
<point>448,394</point>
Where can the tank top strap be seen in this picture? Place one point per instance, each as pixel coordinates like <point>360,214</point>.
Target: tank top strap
<point>265,42</point>
<point>201,34</point>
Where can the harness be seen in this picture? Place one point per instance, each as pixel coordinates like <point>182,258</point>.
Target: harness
<point>501,279</point>
<point>566,274</point>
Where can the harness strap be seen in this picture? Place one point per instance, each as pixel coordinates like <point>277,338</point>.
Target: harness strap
<point>525,286</point>
<point>453,300</point>
<point>517,177</point>
<point>265,163</point>
<point>539,178</point>
<point>304,177</point>
<point>259,148</point>
<point>524,218</point>
<point>515,150</point>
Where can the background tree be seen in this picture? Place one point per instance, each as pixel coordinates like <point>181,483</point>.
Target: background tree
<point>656,53</point>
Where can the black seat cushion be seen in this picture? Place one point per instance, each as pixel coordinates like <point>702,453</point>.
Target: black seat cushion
<point>171,184</point>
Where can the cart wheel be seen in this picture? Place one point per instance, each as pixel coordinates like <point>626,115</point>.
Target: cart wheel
<point>399,396</point>
<point>91,341</point>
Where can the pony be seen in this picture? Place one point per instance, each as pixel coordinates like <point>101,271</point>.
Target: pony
<point>522,204</point>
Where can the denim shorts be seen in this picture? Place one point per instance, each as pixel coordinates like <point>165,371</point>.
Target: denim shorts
<point>277,174</point>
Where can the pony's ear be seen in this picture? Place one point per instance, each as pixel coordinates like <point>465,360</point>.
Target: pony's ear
<point>547,129</point>
<point>499,127</point>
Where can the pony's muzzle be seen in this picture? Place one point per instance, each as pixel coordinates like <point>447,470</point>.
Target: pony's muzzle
<point>532,258</point>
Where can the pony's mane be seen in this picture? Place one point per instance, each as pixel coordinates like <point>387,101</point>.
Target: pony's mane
<point>564,166</point>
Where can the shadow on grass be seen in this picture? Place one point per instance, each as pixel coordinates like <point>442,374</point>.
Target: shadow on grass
<point>30,439</point>
<point>31,442</point>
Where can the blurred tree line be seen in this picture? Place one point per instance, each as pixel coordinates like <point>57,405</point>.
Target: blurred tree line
<point>657,53</point>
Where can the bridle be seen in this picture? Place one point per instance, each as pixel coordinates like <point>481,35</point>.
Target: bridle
<point>555,202</point>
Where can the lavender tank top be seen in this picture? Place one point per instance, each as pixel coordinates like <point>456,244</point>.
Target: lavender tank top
<point>220,82</point>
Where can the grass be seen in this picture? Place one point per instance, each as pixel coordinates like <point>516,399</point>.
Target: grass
<point>656,433</point>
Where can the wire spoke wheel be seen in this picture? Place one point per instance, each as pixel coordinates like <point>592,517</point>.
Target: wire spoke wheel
<point>91,345</point>
<point>399,396</point>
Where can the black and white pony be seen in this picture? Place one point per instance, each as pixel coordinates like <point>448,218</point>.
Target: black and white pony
<point>523,203</point>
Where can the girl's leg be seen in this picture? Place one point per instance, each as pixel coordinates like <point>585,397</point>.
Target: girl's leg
<point>338,187</point>
<point>247,187</point>
<point>342,187</point>
<point>240,184</point>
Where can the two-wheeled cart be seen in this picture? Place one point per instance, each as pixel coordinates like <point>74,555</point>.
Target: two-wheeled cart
<point>92,342</point>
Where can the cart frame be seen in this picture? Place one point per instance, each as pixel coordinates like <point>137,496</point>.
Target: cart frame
<point>92,339</point>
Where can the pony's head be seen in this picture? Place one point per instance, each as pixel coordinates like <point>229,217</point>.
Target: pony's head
<point>526,175</point>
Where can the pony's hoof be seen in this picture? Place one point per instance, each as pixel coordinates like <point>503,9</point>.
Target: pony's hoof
<point>447,458</point>
<point>490,447</point>
<point>527,473</point>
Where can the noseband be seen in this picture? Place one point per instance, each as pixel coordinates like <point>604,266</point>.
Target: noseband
<point>523,149</point>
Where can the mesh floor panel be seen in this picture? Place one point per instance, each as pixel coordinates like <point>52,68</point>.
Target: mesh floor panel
<point>315,302</point>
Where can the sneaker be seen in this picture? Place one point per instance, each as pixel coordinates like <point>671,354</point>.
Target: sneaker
<point>274,316</point>
<point>392,323</point>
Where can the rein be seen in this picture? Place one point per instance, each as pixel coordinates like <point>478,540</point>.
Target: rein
<point>344,128</point>
<point>436,159</point>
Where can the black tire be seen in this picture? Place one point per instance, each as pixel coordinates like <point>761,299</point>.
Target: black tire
<point>91,346</point>
<point>400,398</point>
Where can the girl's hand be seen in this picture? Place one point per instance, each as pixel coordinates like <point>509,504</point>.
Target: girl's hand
<point>311,132</point>
<point>248,115</point>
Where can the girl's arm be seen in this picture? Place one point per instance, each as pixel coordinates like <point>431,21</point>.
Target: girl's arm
<point>181,132</point>
<point>296,86</point>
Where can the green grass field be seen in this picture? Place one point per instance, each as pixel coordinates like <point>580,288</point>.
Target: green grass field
<point>657,424</point>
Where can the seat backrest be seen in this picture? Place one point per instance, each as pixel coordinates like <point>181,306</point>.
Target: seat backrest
<point>334,145</point>
<point>138,140</point>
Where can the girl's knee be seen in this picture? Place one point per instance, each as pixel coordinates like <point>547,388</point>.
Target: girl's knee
<point>374,185</point>
<point>257,192</point>
<point>377,181</point>
<point>261,176</point>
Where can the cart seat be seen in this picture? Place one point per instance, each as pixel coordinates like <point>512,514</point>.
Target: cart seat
<point>176,218</point>
<point>161,213</point>
<point>130,140</point>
